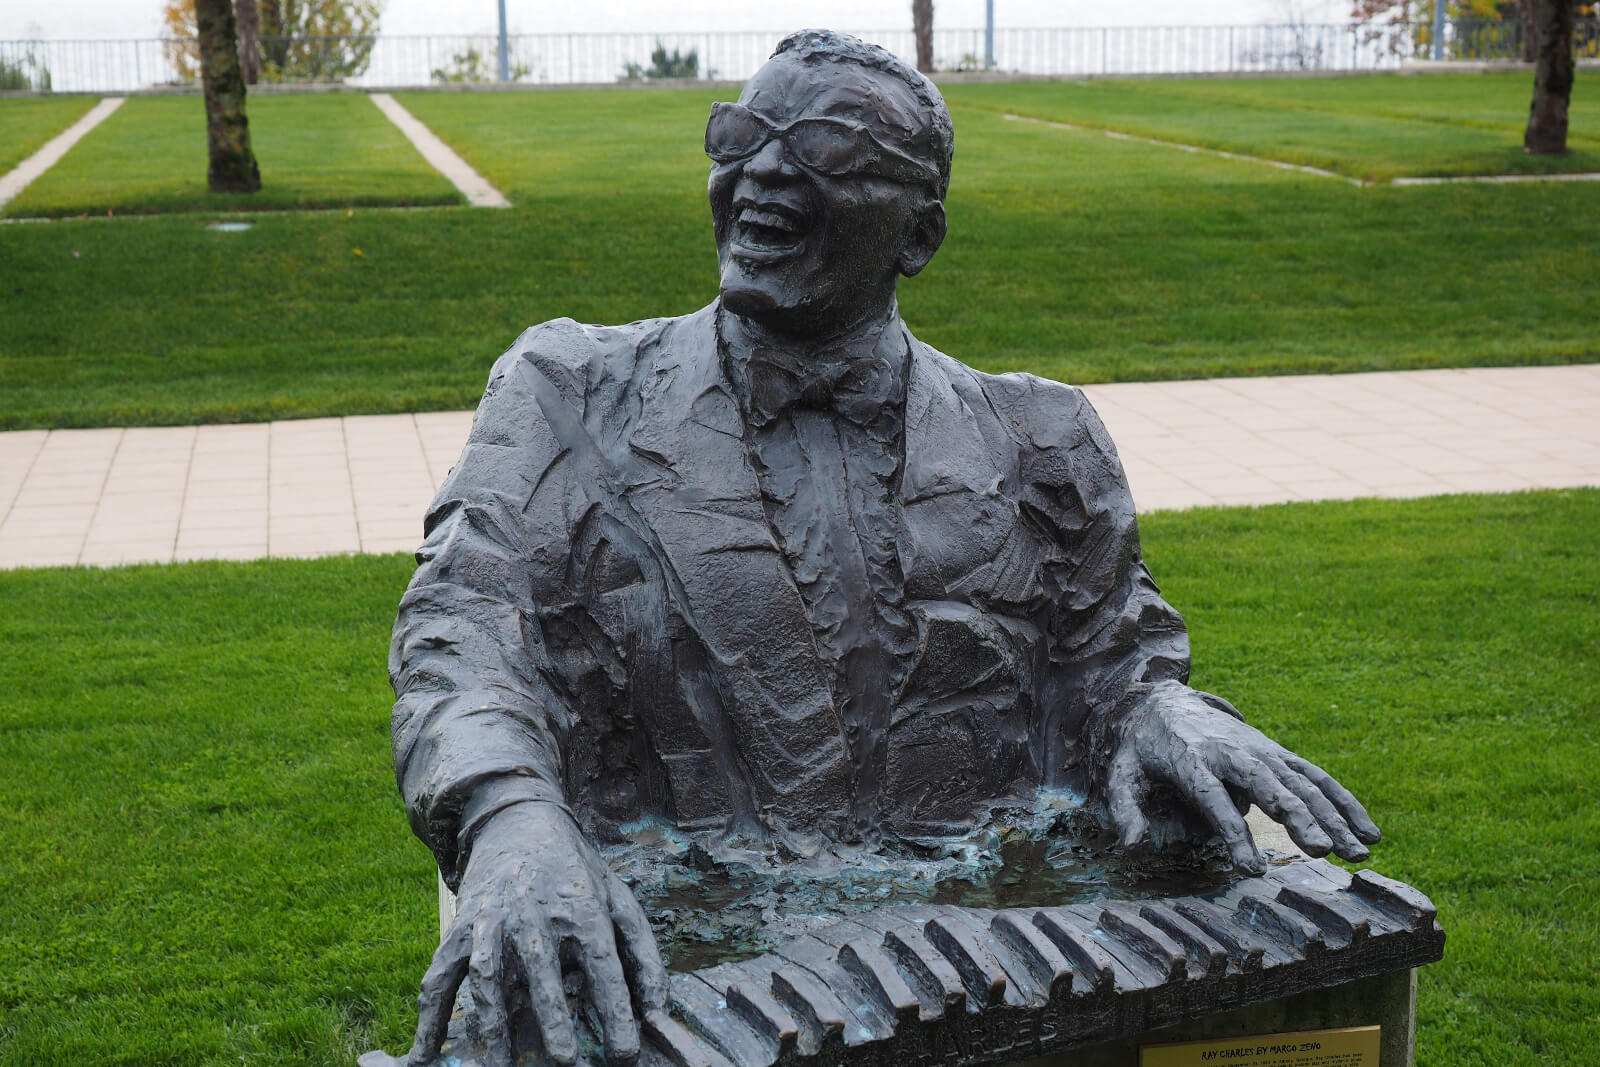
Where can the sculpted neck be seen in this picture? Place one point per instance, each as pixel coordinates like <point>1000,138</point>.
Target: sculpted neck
<point>742,335</point>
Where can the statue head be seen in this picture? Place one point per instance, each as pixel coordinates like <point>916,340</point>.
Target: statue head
<point>827,183</point>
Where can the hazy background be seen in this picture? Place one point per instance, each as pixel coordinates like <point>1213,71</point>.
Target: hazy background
<point>140,18</point>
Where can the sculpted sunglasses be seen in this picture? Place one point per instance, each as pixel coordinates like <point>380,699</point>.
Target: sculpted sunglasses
<point>832,146</point>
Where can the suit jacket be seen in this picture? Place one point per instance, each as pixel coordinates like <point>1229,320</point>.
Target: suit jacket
<point>602,616</point>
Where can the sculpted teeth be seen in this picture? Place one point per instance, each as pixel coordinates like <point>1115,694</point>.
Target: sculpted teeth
<point>767,219</point>
<point>763,229</point>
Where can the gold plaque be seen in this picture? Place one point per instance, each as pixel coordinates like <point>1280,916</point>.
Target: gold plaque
<point>1353,1046</point>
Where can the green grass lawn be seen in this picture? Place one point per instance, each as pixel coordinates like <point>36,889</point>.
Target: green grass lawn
<point>608,145</point>
<point>315,150</point>
<point>1375,128</point>
<point>1437,653</point>
<point>207,863</point>
<point>1070,254</point>
<point>28,122</point>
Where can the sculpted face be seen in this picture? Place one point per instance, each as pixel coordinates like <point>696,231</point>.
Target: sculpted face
<point>822,193</point>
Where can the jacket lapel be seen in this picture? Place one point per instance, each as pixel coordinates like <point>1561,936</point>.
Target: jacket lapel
<point>961,519</point>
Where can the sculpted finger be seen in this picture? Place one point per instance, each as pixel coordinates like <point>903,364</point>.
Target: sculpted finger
<point>638,944</point>
<point>1209,795</point>
<point>1125,787</point>
<point>489,996</point>
<point>1241,798</point>
<point>1320,807</point>
<point>1258,778</point>
<point>608,992</point>
<point>541,962</point>
<point>438,996</point>
<point>1355,815</point>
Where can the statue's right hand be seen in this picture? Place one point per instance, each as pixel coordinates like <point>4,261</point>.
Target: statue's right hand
<point>535,894</point>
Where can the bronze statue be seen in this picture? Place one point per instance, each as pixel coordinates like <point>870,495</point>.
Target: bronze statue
<point>782,576</point>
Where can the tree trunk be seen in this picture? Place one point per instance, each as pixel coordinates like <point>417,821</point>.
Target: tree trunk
<point>1552,80</point>
<point>922,27</point>
<point>233,165</point>
<point>275,34</point>
<point>1528,14</point>
<point>249,19</point>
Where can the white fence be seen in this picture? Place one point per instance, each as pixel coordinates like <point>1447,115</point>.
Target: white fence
<point>577,58</point>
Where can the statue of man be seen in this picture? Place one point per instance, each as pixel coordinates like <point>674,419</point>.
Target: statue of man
<point>783,575</point>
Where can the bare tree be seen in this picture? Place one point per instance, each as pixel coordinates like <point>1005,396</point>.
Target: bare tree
<point>1552,80</point>
<point>282,40</point>
<point>232,166</point>
<point>249,19</point>
<point>922,27</point>
<point>1528,14</point>
<point>318,40</point>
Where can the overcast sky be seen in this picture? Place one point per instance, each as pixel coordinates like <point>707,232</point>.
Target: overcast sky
<point>140,18</point>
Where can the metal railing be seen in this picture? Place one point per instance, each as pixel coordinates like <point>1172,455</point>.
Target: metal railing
<point>586,58</point>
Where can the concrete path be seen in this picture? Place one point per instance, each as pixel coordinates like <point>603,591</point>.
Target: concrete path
<point>1332,437</point>
<point>1500,179</point>
<point>23,174</point>
<point>1118,135</point>
<point>360,484</point>
<point>1490,179</point>
<point>474,186</point>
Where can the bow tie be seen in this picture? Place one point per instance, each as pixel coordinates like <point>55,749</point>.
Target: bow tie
<point>861,389</point>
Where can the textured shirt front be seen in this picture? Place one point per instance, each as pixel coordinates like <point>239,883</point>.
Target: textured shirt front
<point>826,430</point>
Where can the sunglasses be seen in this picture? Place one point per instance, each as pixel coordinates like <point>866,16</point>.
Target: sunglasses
<point>831,146</point>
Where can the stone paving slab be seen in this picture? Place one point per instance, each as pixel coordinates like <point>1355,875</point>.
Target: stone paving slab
<point>314,487</point>
<point>1316,437</point>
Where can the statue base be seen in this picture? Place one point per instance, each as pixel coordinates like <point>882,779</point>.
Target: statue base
<point>1306,945</point>
<point>1388,1002</point>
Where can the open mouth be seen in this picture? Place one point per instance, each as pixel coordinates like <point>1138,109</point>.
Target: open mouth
<point>768,231</point>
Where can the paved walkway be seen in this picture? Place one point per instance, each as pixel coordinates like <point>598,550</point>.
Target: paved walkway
<point>1469,179</point>
<point>472,185</point>
<point>360,484</point>
<point>23,175</point>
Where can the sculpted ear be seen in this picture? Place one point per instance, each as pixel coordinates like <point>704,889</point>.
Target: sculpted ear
<point>927,234</point>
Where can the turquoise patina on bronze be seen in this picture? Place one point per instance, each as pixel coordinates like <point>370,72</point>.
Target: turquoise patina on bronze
<point>772,616</point>
<point>931,984</point>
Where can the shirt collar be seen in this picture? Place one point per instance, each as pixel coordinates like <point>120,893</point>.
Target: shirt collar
<point>860,376</point>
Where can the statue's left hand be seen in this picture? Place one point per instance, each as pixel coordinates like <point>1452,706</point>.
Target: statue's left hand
<point>1177,738</point>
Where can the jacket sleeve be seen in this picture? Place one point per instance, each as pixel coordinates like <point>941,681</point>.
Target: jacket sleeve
<point>1113,640</point>
<point>480,719</point>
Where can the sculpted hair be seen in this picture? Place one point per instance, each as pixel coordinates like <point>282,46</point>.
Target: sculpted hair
<point>819,46</point>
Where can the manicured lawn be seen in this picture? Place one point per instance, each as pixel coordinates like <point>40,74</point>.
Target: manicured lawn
<point>1437,653</point>
<point>1497,101</point>
<point>1375,128</point>
<point>208,864</point>
<point>605,145</point>
<point>28,122</point>
<point>315,150</point>
<point>1070,255</point>
<point>199,816</point>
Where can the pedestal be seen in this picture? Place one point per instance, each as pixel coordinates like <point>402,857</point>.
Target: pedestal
<point>1304,946</point>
